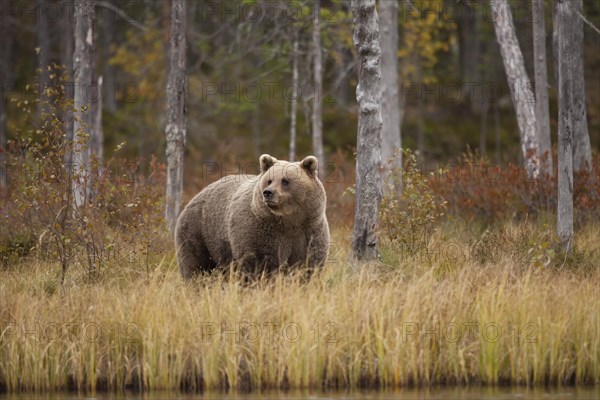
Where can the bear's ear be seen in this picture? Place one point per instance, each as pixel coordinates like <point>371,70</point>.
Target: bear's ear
<point>266,162</point>
<point>310,165</point>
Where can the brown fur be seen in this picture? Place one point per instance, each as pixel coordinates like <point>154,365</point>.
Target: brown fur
<point>231,221</point>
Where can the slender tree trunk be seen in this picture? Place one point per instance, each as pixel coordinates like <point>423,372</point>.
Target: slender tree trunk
<point>82,65</point>
<point>317,115</point>
<point>176,102</point>
<point>166,23</point>
<point>469,22</point>
<point>566,76</point>
<point>391,139</point>
<point>485,108</point>
<point>256,130</point>
<point>555,41</point>
<point>582,149</point>
<point>108,73</point>
<point>294,102</point>
<point>520,87</point>
<point>420,111</point>
<point>368,151</point>
<point>466,37</point>
<point>66,60</point>
<point>97,133</point>
<point>341,80</point>
<point>43,51</point>
<point>497,133</point>
<point>5,77</point>
<point>542,107</point>
<point>3,149</point>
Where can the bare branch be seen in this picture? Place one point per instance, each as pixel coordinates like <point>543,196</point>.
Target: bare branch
<point>122,14</point>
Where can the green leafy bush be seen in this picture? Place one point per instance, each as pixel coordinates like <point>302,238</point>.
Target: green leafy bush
<point>409,214</point>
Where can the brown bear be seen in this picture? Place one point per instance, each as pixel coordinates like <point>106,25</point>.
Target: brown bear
<point>260,222</point>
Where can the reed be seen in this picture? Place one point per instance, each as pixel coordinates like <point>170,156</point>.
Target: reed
<point>484,312</point>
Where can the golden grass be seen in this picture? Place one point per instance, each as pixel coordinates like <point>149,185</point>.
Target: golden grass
<point>489,317</point>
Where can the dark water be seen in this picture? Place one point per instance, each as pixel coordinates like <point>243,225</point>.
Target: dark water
<point>578,393</point>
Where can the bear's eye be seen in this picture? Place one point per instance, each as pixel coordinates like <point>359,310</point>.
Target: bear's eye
<point>269,182</point>
<point>284,182</point>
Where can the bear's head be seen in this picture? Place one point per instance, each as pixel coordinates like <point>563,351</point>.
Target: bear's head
<point>290,189</point>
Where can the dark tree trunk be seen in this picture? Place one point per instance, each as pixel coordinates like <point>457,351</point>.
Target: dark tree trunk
<point>470,51</point>
<point>420,111</point>
<point>497,133</point>
<point>6,79</point>
<point>108,74</point>
<point>542,107</point>
<point>368,150</point>
<point>97,133</point>
<point>256,138</point>
<point>483,129</point>
<point>582,149</point>
<point>176,103</point>
<point>43,51</point>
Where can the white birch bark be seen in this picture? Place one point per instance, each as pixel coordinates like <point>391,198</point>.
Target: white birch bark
<point>317,114</point>
<point>368,150</point>
<point>82,69</point>
<point>175,130</point>
<point>518,82</point>
<point>294,100</point>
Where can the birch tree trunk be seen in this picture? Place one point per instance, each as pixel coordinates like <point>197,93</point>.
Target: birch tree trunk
<point>82,66</point>
<point>542,107</point>
<point>582,150</point>
<point>391,139</point>
<point>294,103</point>
<point>317,114</point>
<point>520,87</point>
<point>176,102</point>
<point>368,149</point>
<point>566,60</point>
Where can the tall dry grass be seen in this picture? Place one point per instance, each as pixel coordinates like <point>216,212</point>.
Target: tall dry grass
<point>490,315</point>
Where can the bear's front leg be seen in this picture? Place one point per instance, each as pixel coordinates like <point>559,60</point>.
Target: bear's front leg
<point>318,246</point>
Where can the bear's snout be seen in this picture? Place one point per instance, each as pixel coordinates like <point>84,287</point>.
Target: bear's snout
<point>268,194</point>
